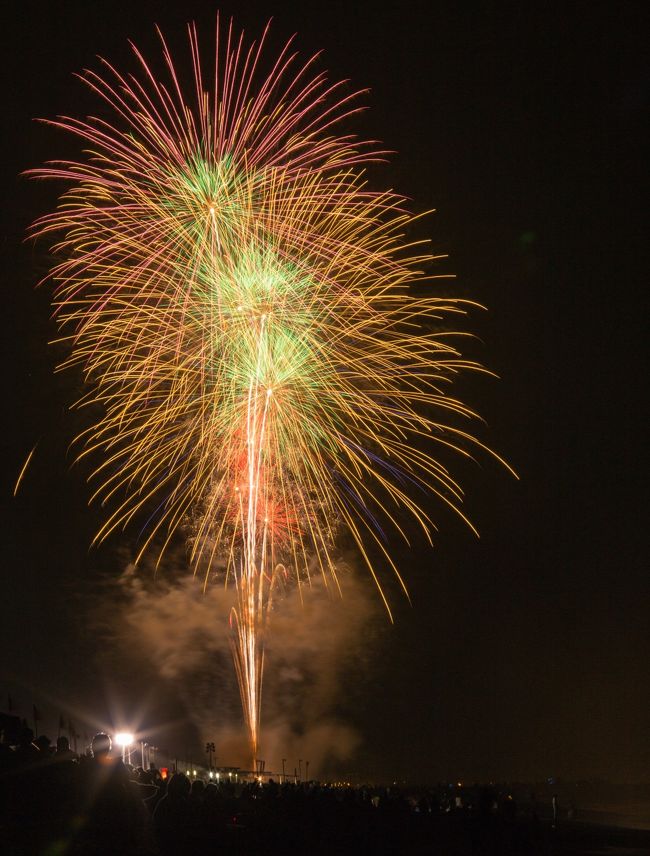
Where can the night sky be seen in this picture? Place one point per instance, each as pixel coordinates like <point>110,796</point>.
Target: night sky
<point>525,653</point>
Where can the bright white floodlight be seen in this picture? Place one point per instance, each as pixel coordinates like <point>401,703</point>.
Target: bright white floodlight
<point>125,739</point>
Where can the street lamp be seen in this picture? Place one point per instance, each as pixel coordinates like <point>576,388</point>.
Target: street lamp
<point>125,740</point>
<point>209,751</point>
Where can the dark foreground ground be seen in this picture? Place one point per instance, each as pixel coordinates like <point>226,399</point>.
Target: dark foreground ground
<point>57,804</point>
<point>582,838</point>
<point>449,838</point>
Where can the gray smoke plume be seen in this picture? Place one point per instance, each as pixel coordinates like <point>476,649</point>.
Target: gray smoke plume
<point>318,651</point>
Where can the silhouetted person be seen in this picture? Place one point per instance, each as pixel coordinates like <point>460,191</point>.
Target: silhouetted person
<point>63,750</point>
<point>111,816</point>
<point>27,753</point>
<point>100,747</point>
<point>172,818</point>
<point>212,818</point>
<point>197,791</point>
<point>44,743</point>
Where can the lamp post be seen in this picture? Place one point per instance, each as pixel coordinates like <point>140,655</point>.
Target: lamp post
<point>284,760</point>
<point>125,740</point>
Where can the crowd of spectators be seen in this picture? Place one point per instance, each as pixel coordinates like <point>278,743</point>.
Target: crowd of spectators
<point>55,803</point>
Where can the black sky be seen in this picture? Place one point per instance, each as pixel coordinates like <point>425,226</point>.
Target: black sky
<point>525,654</point>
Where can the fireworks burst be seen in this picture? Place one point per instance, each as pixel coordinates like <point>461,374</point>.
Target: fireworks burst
<point>242,308</point>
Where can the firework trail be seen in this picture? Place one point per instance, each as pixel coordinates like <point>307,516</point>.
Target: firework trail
<point>242,308</point>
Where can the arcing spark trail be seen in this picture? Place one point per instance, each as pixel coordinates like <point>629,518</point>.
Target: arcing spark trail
<point>240,304</point>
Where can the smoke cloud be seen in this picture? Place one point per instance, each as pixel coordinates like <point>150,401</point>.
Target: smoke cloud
<point>318,652</point>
